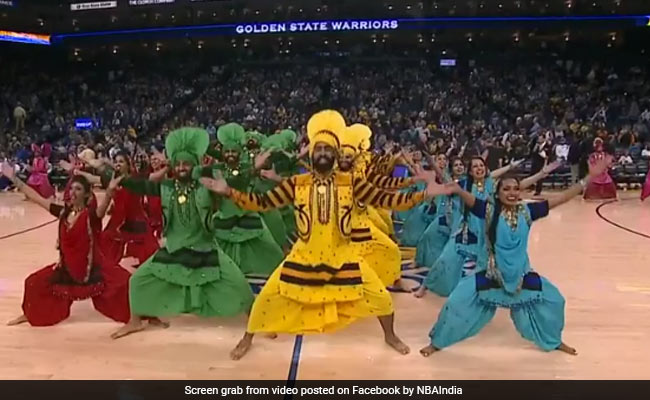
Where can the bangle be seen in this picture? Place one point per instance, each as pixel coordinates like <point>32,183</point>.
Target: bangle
<point>583,183</point>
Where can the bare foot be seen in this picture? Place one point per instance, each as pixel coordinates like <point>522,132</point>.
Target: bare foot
<point>397,344</point>
<point>131,327</point>
<point>422,290</point>
<point>427,351</point>
<point>566,349</point>
<point>158,323</point>
<point>242,347</point>
<point>399,285</point>
<point>271,336</point>
<point>17,321</point>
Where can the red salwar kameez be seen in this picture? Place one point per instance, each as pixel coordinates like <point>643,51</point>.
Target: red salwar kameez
<point>81,273</point>
<point>38,178</point>
<point>129,232</point>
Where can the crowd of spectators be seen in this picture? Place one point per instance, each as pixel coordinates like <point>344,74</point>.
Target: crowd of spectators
<point>551,109</point>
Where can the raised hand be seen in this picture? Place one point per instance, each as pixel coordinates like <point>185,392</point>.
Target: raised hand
<point>261,159</point>
<point>549,168</point>
<point>599,166</point>
<point>422,175</point>
<point>271,175</point>
<point>516,163</point>
<point>66,166</point>
<point>8,171</point>
<point>217,185</point>
<point>303,151</point>
<point>114,183</point>
<point>435,189</point>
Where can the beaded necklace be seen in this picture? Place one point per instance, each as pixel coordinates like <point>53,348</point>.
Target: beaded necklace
<point>182,198</point>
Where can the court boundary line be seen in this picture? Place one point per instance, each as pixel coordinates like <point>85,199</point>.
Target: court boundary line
<point>615,224</point>
<point>33,228</point>
<point>295,362</point>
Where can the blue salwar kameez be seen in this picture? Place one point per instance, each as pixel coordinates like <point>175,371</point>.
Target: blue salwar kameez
<point>464,248</point>
<point>505,280</point>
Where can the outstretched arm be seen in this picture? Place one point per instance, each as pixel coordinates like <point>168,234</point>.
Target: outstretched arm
<point>111,186</point>
<point>595,169</point>
<point>369,194</point>
<point>92,179</point>
<point>468,198</point>
<point>499,172</point>
<point>546,171</point>
<point>281,195</point>
<point>159,175</point>
<point>9,171</point>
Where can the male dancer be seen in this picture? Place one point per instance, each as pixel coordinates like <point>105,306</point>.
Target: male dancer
<point>190,274</point>
<point>323,284</point>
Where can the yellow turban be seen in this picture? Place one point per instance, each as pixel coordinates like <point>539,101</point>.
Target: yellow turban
<point>364,134</point>
<point>325,127</point>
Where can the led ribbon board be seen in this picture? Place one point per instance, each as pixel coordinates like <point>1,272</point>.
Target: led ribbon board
<point>20,37</point>
<point>349,26</point>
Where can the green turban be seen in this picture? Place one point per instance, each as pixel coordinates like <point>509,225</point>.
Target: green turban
<point>230,136</point>
<point>187,144</point>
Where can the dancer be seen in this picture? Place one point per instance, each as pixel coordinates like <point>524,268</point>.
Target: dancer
<point>242,235</point>
<point>460,254</point>
<point>645,193</point>
<point>128,232</point>
<point>601,187</point>
<point>283,163</point>
<point>81,272</point>
<point>322,285</point>
<point>38,178</point>
<point>253,143</point>
<point>446,217</point>
<point>466,247</point>
<point>379,251</point>
<point>190,274</point>
<point>506,279</point>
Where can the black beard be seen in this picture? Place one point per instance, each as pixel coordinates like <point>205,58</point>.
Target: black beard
<point>324,168</point>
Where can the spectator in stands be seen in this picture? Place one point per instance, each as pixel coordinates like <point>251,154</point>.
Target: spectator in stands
<point>645,153</point>
<point>625,159</point>
<point>20,115</point>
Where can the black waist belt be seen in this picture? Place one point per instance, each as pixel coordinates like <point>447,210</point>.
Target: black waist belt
<point>532,281</point>
<point>61,276</point>
<point>131,226</point>
<point>187,258</point>
<point>245,222</point>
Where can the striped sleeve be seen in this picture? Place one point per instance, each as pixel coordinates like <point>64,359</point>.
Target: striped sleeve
<point>367,193</point>
<point>280,196</point>
<point>387,182</point>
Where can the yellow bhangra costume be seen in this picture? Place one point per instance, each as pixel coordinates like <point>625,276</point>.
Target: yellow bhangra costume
<point>323,284</point>
<point>370,238</point>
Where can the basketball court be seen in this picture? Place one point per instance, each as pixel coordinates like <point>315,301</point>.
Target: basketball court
<point>597,255</point>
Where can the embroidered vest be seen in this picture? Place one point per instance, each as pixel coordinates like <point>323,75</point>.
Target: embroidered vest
<point>202,200</point>
<point>306,206</point>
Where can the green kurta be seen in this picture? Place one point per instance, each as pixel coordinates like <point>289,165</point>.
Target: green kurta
<point>244,235</point>
<point>190,274</point>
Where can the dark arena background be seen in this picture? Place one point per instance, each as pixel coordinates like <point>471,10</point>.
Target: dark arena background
<point>541,88</point>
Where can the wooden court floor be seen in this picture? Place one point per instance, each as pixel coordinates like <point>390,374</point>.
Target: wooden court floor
<point>598,257</point>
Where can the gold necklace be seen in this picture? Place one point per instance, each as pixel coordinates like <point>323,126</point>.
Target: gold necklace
<point>323,199</point>
<point>511,215</point>
<point>182,192</point>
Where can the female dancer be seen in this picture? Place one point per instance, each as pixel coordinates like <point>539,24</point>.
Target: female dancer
<point>601,187</point>
<point>446,218</point>
<point>506,279</point>
<point>460,253</point>
<point>81,272</point>
<point>645,193</point>
<point>128,232</point>
<point>38,178</point>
